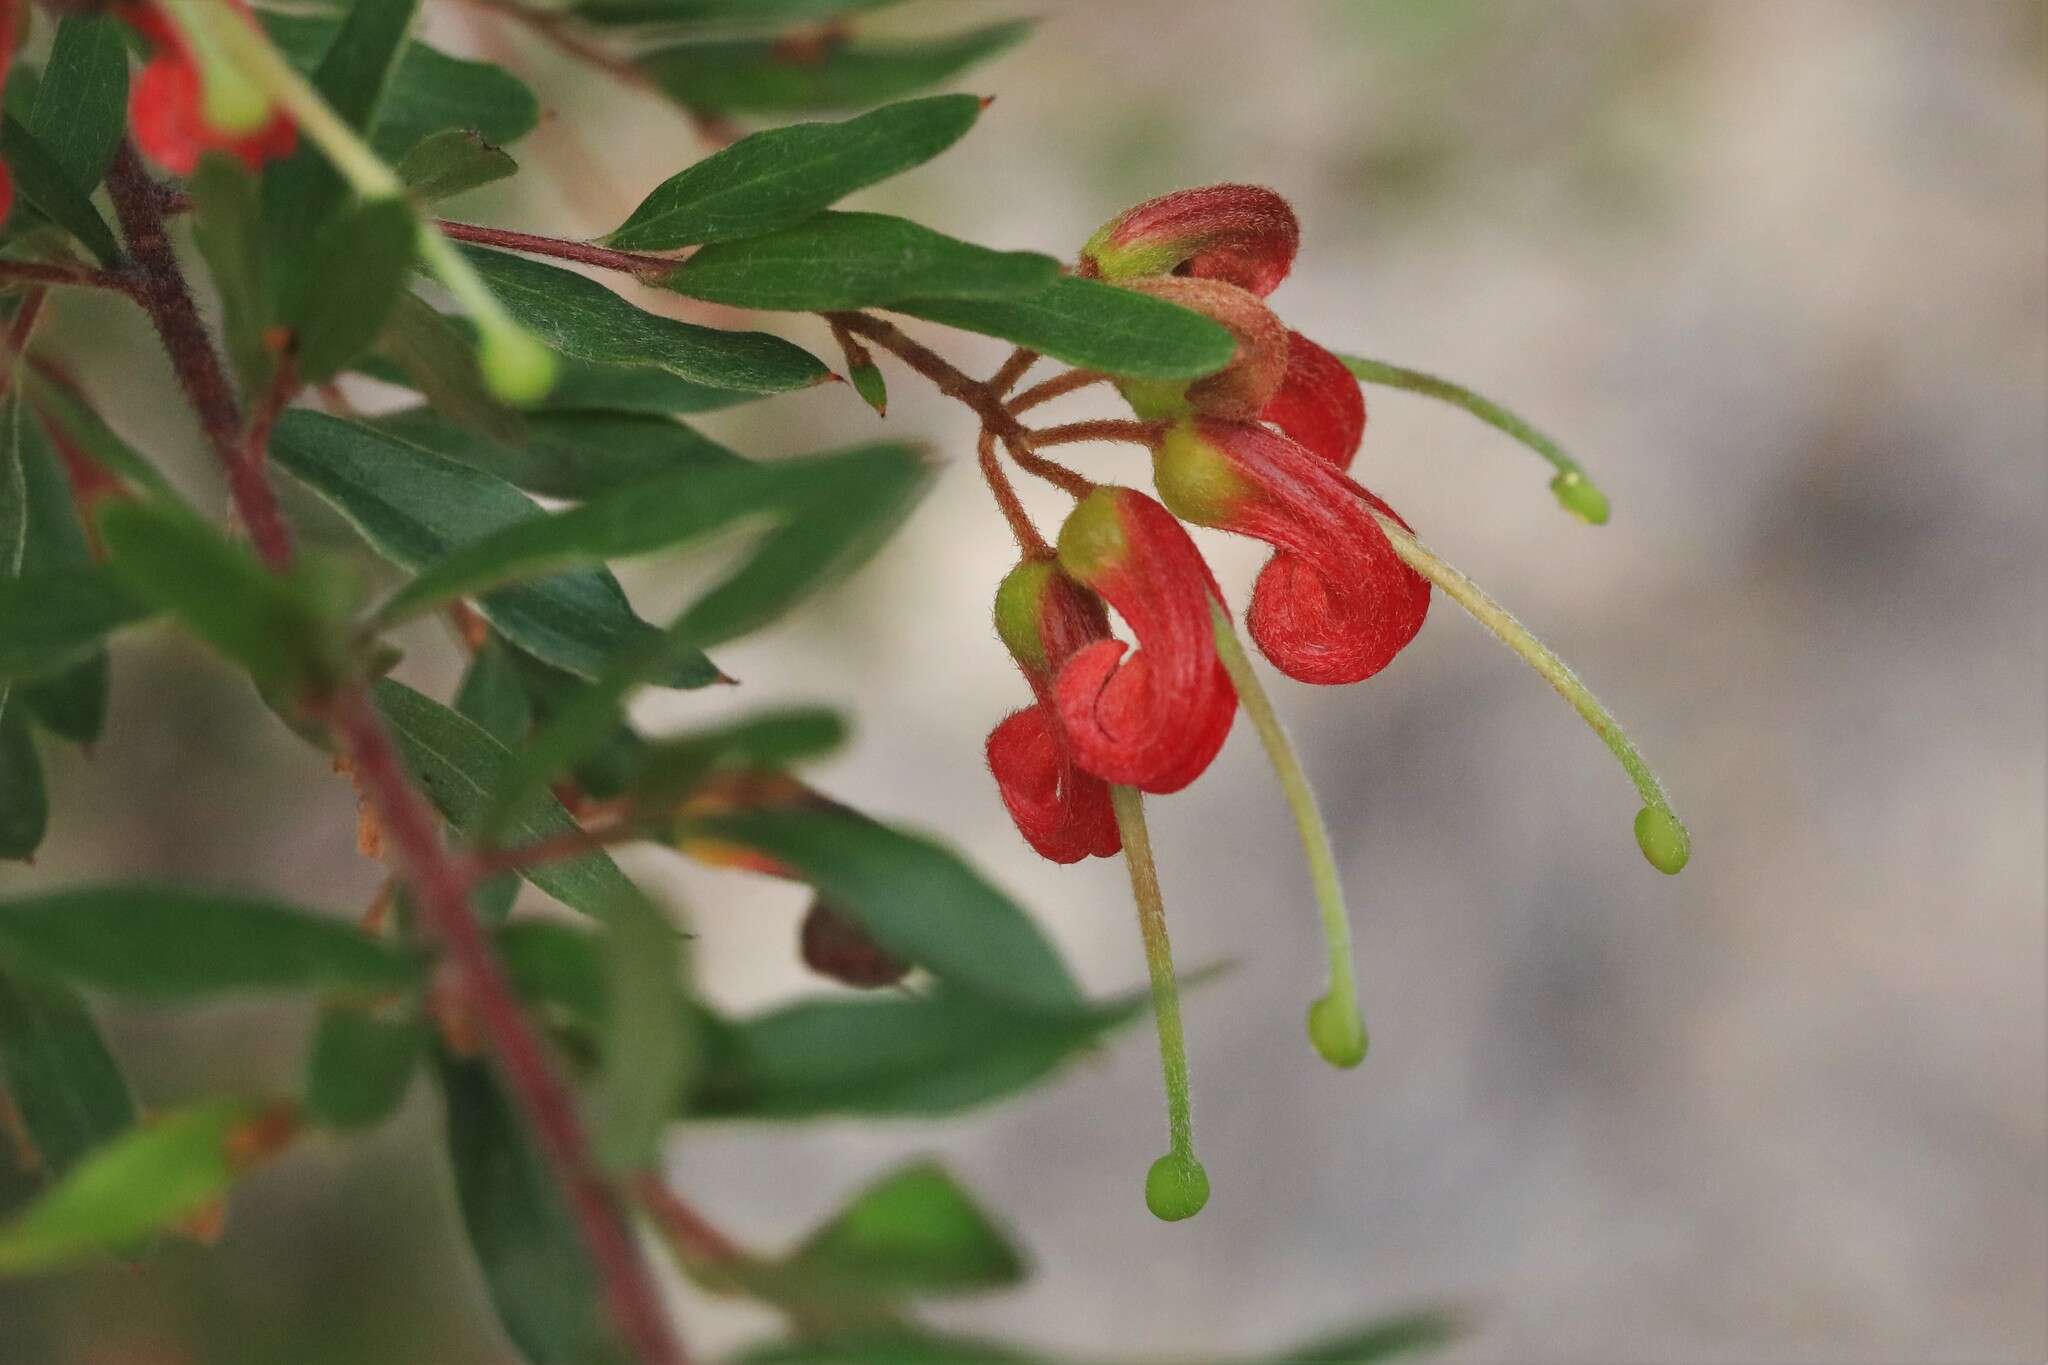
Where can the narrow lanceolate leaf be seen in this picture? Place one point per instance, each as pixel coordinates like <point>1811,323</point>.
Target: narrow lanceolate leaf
<point>1390,1338</point>
<point>361,1066</point>
<point>649,1041</point>
<point>915,1231</point>
<point>73,703</point>
<point>668,769</point>
<point>427,91</point>
<point>893,1346</point>
<point>370,247</point>
<point>66,413</point>
<point>227,226</point>
<point>762,76</point>
<point>82,103</point>
<point>534,1266</point>
<point>917,899</point>
<point>55,1068</point>
<point>435,356</point>
<point>416,508</point>
<point>580,317</point>
<point>51,621</point>
<point>493,696</point>
<point>784,175</point>
<point>143,1181</point>
<point>769,14</point>
<point>856,260</point>
<point>24,803</point>
<point>458,764</point>
<point>163,943</point>
<point>276,626</point>
<point>586,387</point>
<point>640,519</point>
<point>44,182</point>
<point>847,510</point>
<point>573,455</point>
<point>1095,326</point>
<point>451,162</point>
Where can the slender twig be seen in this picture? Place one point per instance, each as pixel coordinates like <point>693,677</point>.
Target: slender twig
<point>1101,429</point>
<point>609,823</point>
<point>1056,387</point>
<point>688,1233</point>
<point>948,378</point>
<point>161,290</point>
<point>1012,370</point>
<point>631,1294</point>
<point>57,272</point>
<point>284,385</point>
<point>1005,493</point>
<point>1052,471</point>
<point>634,263</point>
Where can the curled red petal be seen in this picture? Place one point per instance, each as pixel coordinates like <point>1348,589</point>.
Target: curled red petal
<point>1062,812</point>
<point>1319,403</point>
<point>1156,718</point>
<point>1245,235</point>
<point>1240,389</point>
<point>1336,604</point>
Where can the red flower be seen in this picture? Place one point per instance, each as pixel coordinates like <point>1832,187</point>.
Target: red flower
<point>167,105</point>
<point>1044,618</point>
<point>1240,390</point>
<point>1245,235</point>
<point>1153,720</point>
<point>1336,604</point>
<point>1319,402</point>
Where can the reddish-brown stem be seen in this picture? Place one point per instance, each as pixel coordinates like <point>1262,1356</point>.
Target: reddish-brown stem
<point>57,272</point>
<point>1005,493</point>
<point>607,826</point>
<point>1012,370</point>
<point>438,881</point>
<point>284,384</point>
<point>687,1231</point>
<point>1101,429</point>
<point>1056,387</point>
<point>583,253</point>
<point>18,333</point>
<point>160,289</point>
<point>1052,471</point>
<point>948,378</point>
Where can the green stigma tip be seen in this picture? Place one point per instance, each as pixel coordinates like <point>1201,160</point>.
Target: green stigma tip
<point>516,365</point>
<point>1663,840</point>
<point>1338,1033</point>
<point>1577,495</point>
<point>1176,1187</point>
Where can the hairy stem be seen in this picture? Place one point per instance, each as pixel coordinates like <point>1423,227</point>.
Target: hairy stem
<point>1100,429</point>
<point>1005,493</point>
<point>1058,386</point>
<point>59,273</point>
<point>948,378</point>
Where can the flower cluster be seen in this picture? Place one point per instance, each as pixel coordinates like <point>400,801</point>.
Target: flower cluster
<point>188,101</point>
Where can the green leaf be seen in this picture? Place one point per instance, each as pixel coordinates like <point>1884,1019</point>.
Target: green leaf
<point>846,513</point>
<point>51,621</point>
<point>916,899</point>
<point>784,175</point>
<point>361,1066</point>
<point>640,519</point>
<point>493,696</point>
<point>427,92</point>
<point>43,181</point>
<point>915,1231</point>
<point>71,704</point>
<point>586,387</point>
<point>580,317</point>
<point>649,1044</point>
<point>24,805</point>
<point>416,508</point>
<point>760,76</point>
<point>436,356</point>
<point>668,769</point>
<point>55,1068</point>
<point>145,1180</point>
<point>897,1347</point>
<point>1095,326</point>
<point>1400,1335</point>
<point>568,454</point>
<point>227,202</point>
<point>163,943</point>
<point>457,763</point>
<point>358,266</point>
<point>534,1266</point>
<point>855,260</point>
<point>69,417</point>
<point>279,627</point>
<point>451,162</point>
<point>754,13</point>
<point>82,105</point>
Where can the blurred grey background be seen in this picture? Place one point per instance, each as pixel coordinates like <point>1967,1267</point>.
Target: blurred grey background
<point>1778,274</point>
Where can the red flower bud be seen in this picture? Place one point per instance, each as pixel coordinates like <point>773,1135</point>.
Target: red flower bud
<point>1336,604</point>
<point>1241,389</point>
<point>166,107</point>
<point>1243,234</point>
<point>1044,618</point>
<point>835,946</point>
<point>1320,403</point>
<point>1153,720</point>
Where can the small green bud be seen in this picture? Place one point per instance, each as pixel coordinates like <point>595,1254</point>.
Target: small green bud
<point>1338,1033</point>
<point>1663,840</point>
<point>1578,496</point>
<point>516,364</point>
<point>1176,1187</point>
<point>872,388</point>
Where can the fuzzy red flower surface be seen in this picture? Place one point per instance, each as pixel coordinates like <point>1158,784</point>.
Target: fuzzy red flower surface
<point>1244,235</point>
<point>1319,402</point>
<point>166,107</point>
<point>1064,813</point>
<point>1153,720</point>
<point>1336,604</point>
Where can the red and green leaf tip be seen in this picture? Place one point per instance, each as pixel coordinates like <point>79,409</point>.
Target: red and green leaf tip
<point>1262,448</point>
<point>191,97</point>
